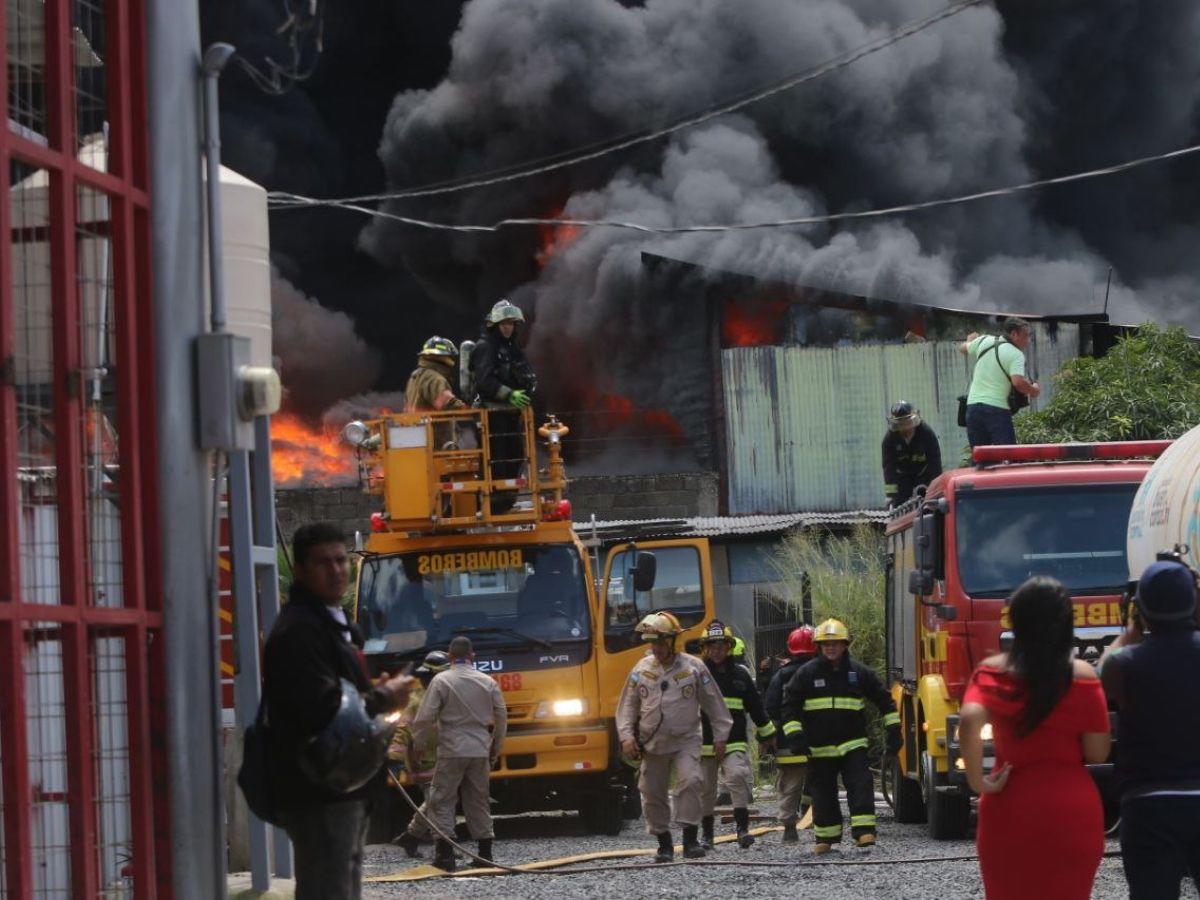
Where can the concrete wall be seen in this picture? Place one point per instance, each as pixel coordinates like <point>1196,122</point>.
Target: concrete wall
<point>348,507</point>
<point>670,496</point>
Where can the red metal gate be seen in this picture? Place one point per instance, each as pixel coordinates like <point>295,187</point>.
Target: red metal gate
<point>80,618</point>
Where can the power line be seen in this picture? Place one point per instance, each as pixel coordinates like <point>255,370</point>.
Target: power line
<point>775,223</point>
<point>283,200</point>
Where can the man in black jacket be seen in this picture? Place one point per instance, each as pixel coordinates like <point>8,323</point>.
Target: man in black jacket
<point>823,719</point>
<point>792,767</point>
<point>1154,681</point>
<point>505,384</point>
<point>309,651</point>
<point>911,454</point>
<point>742,700</point>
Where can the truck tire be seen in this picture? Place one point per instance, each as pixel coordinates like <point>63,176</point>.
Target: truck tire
<point>948,812</point>
<point>601,812</point>
<point>907,801</point>
<point>631,806</point>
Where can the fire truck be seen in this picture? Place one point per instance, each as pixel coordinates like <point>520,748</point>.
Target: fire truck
<point>956,552</point>
<point>475,539</point>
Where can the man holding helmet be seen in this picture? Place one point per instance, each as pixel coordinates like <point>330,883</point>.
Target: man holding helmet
<point>911,453</point>
<point>325,744</point>
<point>1153,678</point>
<point>658,722</point>
<point>792,766</point>
<point>823,720</point>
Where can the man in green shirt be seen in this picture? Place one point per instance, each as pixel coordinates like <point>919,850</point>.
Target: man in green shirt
<point>999,368</point>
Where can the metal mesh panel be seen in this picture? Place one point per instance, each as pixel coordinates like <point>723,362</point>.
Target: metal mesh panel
<point>25,50</point>
<point>98,388</point>
<point>33,374</point>
<point>46,721</point>
<point>110,737</point>
<point>91,108</point>
<point>774,620</point>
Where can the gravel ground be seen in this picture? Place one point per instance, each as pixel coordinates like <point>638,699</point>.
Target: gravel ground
<point>534,837</point>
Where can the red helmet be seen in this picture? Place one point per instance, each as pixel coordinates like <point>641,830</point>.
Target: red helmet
<point>801,641</point>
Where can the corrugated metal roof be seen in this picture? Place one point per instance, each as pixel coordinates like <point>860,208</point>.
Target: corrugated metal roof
<point>727,526</point>
<point>804,424</point>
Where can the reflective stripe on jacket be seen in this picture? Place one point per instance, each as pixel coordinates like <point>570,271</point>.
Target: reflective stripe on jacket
<point>741,699</point>
<point>826,705</point>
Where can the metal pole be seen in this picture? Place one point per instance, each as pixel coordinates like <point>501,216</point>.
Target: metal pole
<point>194,768</point>
<point>215,58</point>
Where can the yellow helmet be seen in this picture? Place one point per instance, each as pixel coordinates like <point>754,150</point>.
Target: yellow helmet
<point>658,625</point>
<point>831,630</point>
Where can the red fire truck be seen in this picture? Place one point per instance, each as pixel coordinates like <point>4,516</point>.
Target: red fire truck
<point>955,554</point>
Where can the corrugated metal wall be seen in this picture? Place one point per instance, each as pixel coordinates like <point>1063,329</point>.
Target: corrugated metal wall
<point>804,425</point>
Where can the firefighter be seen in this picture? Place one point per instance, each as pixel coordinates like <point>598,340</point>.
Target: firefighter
<point>791,766</point>
<point>429,386</point>
<point>505,383</point>
<point>911,453</point>
<point>419,765</point>
<point>823,715</point>
<point>467,710</point>
<point>741,699</point>
<point>658,722</point>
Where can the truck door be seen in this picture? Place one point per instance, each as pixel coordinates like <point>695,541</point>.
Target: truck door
<point>682,585</point>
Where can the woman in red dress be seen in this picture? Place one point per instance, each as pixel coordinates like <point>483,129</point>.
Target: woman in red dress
<point>1041,825</point>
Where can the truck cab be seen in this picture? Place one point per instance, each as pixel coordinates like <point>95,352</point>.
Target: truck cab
<point>468,543</point>
<point>956,553</point>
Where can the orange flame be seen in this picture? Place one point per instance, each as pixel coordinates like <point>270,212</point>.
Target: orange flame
<point>618,413</point>
<point>752,323</point>
<point>304,455</point>
<point>554,238</point>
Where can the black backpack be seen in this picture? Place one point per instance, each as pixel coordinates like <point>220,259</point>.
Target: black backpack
<point>254,776</point>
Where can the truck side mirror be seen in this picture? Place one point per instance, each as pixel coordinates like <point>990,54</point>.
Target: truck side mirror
<point>926,554</point>
<point>920,582</point>
<point>645,570</point>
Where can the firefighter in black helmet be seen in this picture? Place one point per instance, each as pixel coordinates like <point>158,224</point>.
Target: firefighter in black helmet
<point>911,454</point>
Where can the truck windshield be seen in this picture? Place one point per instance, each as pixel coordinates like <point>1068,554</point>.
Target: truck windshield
<point>414,600</point>
<point>1074,534</point>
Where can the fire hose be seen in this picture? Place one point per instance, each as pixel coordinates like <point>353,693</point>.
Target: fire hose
<point>491,867</point>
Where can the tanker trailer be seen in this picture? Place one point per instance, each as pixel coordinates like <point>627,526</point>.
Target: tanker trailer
<point>1166,508</point>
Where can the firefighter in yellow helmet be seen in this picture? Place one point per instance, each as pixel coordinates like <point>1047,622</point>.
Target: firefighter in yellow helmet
<point>742,700</point>
<point>823,719</point>
<point>429,387</point>
<point>658,722</point>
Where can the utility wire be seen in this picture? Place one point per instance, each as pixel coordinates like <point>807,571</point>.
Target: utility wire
<point>282,199</point>
<point>775,223</point>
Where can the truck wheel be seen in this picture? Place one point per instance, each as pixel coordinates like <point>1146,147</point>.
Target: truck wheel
<point>631,806</point>
<point>907,802</point>
<point>601,812</point>
<point>948,811</point>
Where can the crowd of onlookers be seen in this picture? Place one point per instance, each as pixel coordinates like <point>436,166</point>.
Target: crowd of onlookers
<point>1041,822</point>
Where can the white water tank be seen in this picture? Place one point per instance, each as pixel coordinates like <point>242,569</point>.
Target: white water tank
<point>1166,509</point>
<point>245,239</point>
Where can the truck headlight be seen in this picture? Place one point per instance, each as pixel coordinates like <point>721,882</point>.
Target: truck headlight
<point>560,708</point>
<point>985,733</point>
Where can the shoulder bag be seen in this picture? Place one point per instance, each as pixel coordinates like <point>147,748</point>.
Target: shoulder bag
<point>1016,400</point>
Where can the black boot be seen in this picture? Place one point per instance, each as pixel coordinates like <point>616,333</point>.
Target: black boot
<point>666,847</point>
<point>485,850</point>
<point>706,826</point>
<point>443,856</point>
<point>410,844</point>
<point>741,817</point>
<point>691,846</point>
<point>790,835</point>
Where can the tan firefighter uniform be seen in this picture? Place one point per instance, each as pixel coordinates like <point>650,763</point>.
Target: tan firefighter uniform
<point>468,711</point>
<point>429,388</point>
<point>660,709</point>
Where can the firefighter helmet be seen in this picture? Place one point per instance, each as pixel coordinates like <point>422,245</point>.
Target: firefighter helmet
<point>348,751</point>
<point>504,310</point>
<point>903,413</point>
<point>435,661</point>
<point>716,632</point>
<point>800,641</point>
<point>439,348</point>
<point>658,625</point>
<point>831,630</point>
